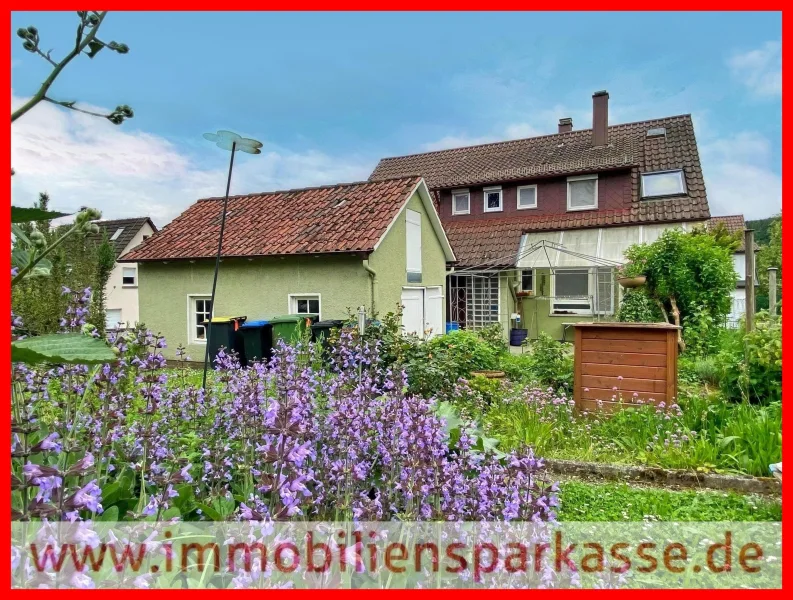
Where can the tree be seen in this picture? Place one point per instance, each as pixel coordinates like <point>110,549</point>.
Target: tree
<point>105,261</point>
<point>72,262</point>
<point>771,256</point>
<point>689,276</point>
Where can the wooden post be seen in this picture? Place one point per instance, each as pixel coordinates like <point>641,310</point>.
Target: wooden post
<point>772,291</point>
<point>748,235</point>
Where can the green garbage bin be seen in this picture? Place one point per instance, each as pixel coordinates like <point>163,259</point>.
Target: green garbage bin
<point>290,328</point>
<point>222,332</point>
<point>321,329</point>
<point>257,338</point>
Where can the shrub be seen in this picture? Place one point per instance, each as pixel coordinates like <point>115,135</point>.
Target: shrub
<point>637,307</point>
<point>551,363</point>
<point>751,364</point>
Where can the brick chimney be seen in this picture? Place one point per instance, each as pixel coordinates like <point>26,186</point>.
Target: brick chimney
<point>565,125</point>
<point>600,118</point>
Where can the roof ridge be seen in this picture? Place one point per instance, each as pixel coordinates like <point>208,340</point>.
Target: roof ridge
<point>315,187</point>
<point>535,137</point>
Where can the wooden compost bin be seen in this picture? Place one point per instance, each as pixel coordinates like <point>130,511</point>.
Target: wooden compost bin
<point>643,354</point>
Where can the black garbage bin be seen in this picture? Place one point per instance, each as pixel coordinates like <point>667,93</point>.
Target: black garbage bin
<point>257,339</point>
<point>223,332</point>
<point>321,329</point>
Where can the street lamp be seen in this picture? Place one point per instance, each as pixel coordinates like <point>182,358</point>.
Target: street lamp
<point>227,140</point>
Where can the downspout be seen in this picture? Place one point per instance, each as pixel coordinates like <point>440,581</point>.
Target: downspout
<point>373,278</point>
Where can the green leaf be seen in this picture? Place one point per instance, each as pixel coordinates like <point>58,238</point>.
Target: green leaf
<point>95,46</point>
<point>26,215</point>
<point>72,348</point>
<point>17,232</point>
<point>171,513</point>
<point>111,514</point>
<point>209,512</point>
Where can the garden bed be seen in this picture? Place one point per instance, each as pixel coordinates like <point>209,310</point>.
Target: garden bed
<point>665,477</point>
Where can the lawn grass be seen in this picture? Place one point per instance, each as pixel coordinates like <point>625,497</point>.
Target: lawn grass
<point>581,501</point>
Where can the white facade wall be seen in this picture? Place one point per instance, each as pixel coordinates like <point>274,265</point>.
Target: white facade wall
<point>122,300</point>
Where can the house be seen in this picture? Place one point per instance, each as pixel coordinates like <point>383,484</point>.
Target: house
<point>538,225</point>
<point>121,291</point>
<point>736,224</point>
<point>323,250</point>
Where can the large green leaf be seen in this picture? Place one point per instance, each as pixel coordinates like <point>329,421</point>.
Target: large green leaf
<point>20,259</point>
<point>19,233</point>
<point>61,348</point>
<point>25,215</point>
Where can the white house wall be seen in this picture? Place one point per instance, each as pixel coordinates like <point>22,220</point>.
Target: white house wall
<point>119,296</point>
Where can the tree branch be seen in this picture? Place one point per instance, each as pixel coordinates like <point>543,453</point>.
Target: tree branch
<point>676,314</point>
<point>70,105</point>
<point>80,44</point>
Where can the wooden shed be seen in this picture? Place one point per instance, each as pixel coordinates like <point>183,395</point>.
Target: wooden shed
<point>639,359</point>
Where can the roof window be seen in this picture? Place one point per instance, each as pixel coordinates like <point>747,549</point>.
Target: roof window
<point>663,183</point>
<point>656,132</point>
<point>116,234</point>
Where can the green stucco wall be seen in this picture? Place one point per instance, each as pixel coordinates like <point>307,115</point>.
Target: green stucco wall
<point>260,287</point>
<point>390,261</point>
<point>536,312</point>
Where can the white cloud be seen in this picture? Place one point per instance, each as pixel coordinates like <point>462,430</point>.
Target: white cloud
<point>760,69</point>
<point>87,161</point>
<point>739,178</point>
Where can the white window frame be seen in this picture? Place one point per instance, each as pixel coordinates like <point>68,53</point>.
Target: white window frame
<point>526,187</point>
<point>293,298</point>
<point>582,178</point>
<point>557,302</point>
<point>461,192</point>
<point>533,280</point>
<point>114,325</point>
<point>678,172</point>
<point>191,312</point>
<point>490,190</point>
<point>129,285</point>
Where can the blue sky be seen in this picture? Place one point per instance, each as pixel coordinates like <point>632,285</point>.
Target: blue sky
<point>331,93</point>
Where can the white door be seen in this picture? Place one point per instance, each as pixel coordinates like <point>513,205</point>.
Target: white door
<point>433,310</point>
<point>413,311</point>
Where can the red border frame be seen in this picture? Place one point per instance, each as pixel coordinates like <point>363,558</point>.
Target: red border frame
<point>283,5</point>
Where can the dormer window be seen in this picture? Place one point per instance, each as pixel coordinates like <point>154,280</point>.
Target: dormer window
<point>663,183</point>
<point>493,199</point>
<point>582,192</point>
<point>461,202</point>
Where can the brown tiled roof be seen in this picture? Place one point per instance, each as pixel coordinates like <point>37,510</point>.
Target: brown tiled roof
<point>348,217</point>
<point>128,227</point>
<point>559,154</point>
<point>734,224</point>
<point>475,241</point>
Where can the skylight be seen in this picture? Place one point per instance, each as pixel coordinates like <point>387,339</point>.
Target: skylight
<point>116,234</point>
<point>663,183</point>
<point>656,132</point>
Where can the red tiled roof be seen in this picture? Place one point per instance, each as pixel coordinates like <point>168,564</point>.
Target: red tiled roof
<point>350,217</point>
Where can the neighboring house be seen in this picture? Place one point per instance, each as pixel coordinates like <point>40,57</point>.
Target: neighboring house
<point>508,207</point>
<point>735,224</point>
<point>324,250</point>
<point>121,291</point>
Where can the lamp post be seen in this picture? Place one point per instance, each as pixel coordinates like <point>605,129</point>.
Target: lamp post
<point>227,140</point>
